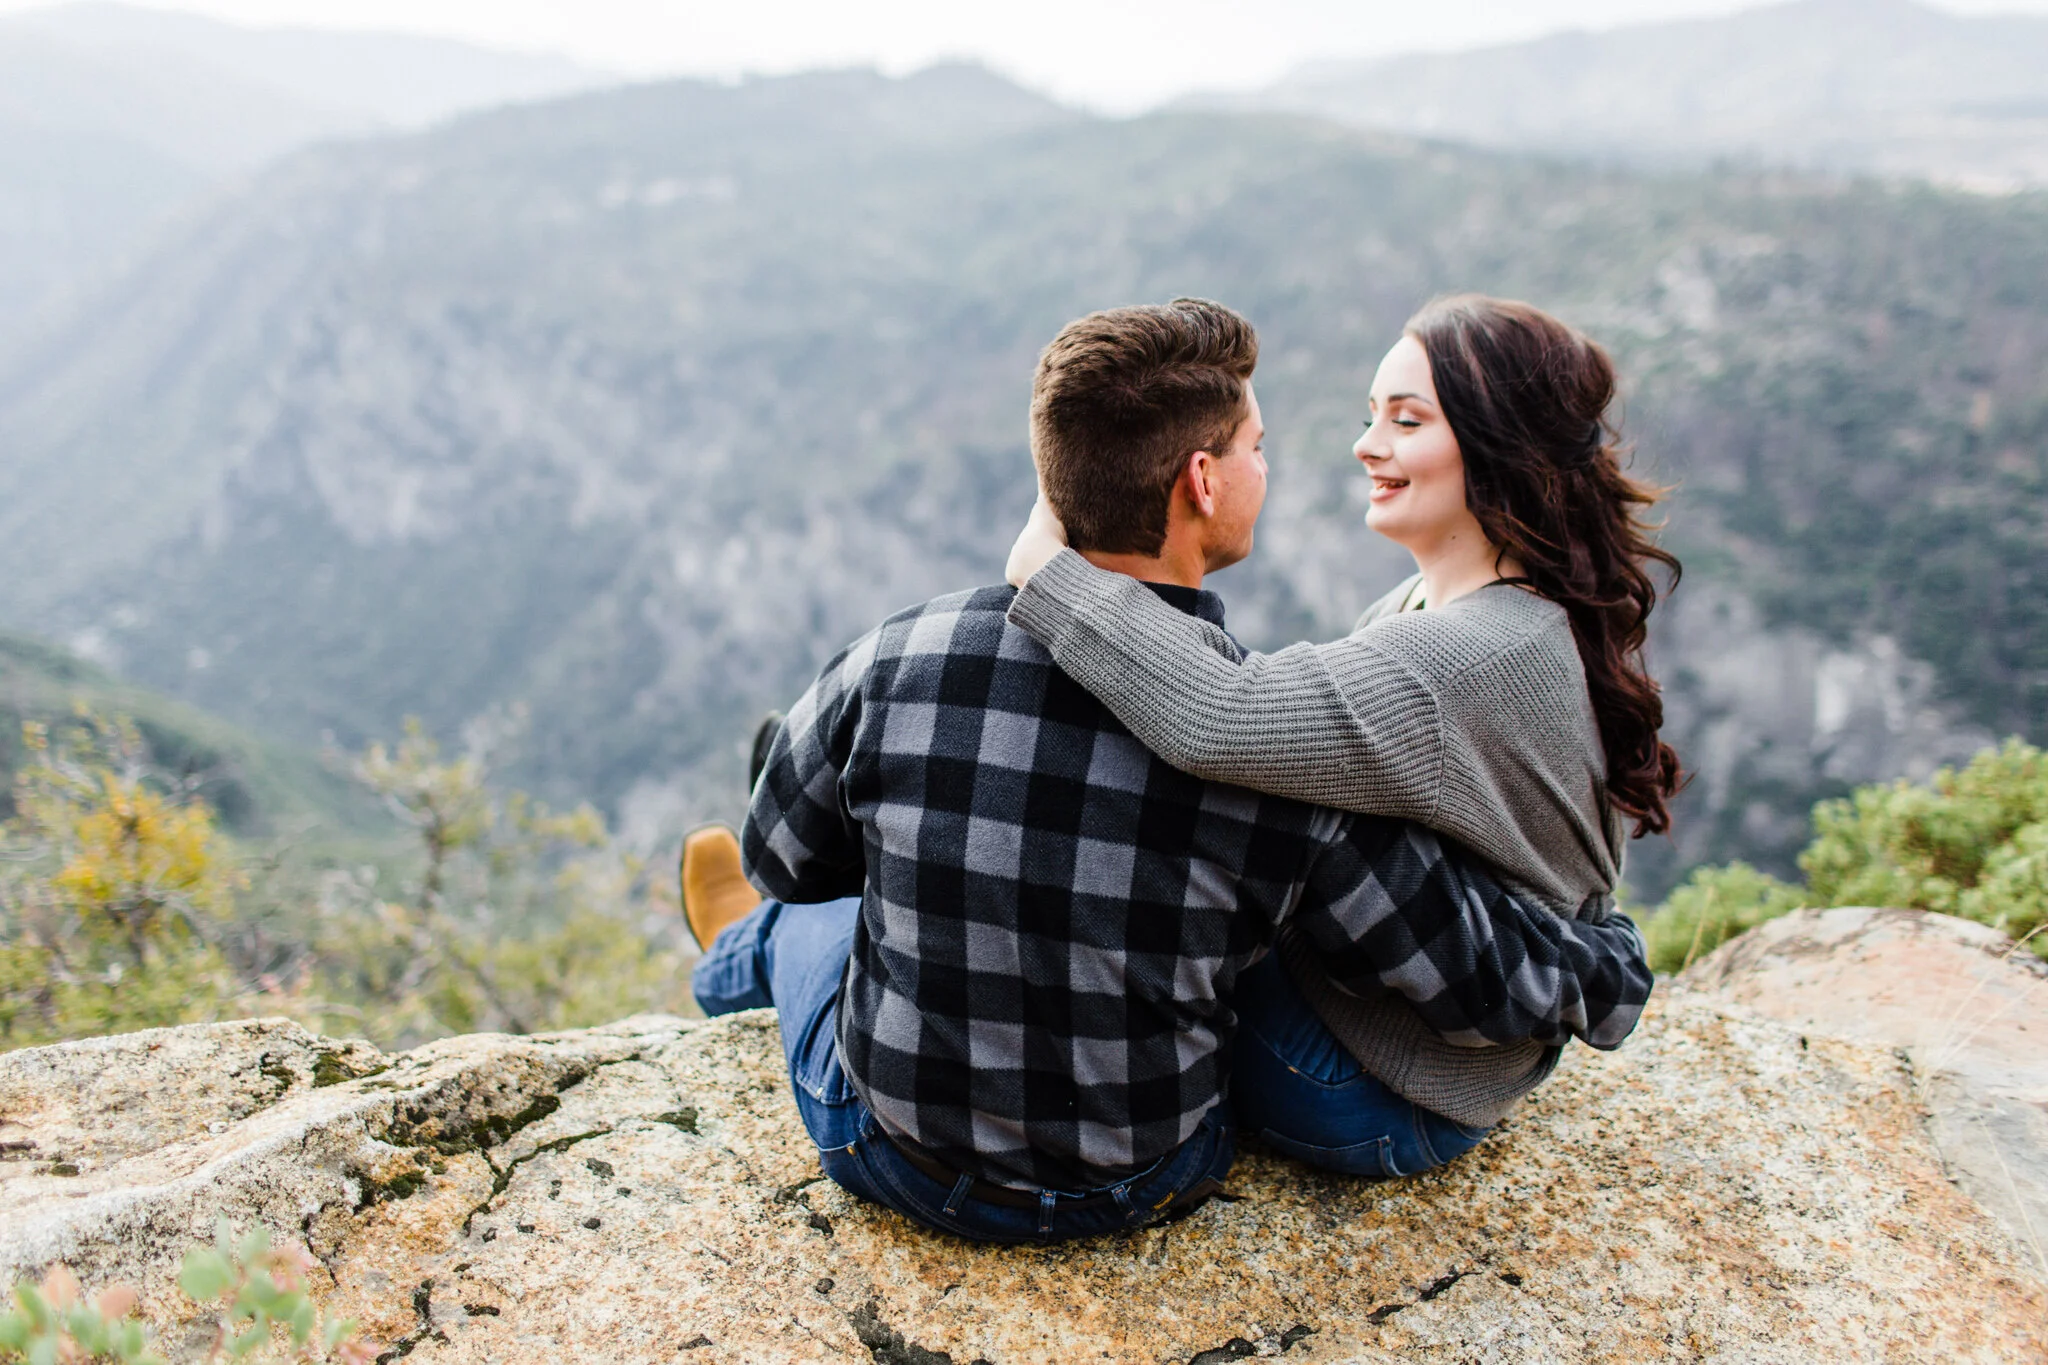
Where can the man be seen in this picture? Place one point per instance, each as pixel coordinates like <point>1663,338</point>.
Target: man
<point>1014,1021</point>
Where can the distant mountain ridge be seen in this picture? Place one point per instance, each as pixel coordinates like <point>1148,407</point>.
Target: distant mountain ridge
<point>389,80</point>
<point>1888,86</point>
<point>636,405</point>
<point>112,116</point>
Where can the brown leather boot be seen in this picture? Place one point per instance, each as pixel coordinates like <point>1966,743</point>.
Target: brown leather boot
<point>715,891</point>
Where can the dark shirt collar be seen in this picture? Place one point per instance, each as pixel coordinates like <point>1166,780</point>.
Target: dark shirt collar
<point>1194,601</point>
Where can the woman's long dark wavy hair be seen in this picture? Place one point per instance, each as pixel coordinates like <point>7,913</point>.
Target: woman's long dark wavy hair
<point>1528,399</point>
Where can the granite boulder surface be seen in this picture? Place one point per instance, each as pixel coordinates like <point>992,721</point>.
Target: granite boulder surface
<point>1728,1187</point>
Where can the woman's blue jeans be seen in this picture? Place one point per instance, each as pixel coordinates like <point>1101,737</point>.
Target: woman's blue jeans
<point>794,957</point>
<point>1297,1088</point>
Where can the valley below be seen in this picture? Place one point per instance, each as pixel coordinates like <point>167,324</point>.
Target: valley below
<point>632,407</point>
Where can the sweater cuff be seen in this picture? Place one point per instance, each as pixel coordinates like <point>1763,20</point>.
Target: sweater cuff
<point>1054,602</point>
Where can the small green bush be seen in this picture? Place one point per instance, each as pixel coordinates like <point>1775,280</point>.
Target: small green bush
<point>2012,893</point>
<point>1712,906</point>
<point>123,906</point>
<point>1926,845</point>
<point>263,1312</point>
<point>1971,842</point>
<point>114,885</point>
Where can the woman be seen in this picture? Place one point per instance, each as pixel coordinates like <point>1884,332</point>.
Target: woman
<point>1499,696</point>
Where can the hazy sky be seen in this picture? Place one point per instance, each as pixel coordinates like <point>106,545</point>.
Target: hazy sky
<point>1114,54</point>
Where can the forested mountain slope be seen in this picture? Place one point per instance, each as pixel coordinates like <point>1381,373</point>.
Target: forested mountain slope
<point>636,406</point>
<point>259,788</point>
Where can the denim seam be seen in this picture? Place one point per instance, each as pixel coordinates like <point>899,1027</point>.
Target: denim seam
<point>1429,1153</point>
<point>1377,1151</point>
<point>1280,1055</point>
<point>863,1154</point>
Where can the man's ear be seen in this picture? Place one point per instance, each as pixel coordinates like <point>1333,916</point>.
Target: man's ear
<point>1197,481</point>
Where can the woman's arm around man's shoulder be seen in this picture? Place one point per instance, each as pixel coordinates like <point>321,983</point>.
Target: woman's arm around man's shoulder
<point>1346,724</point>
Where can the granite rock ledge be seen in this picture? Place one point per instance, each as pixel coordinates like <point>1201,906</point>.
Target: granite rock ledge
<point>1728,1187</point>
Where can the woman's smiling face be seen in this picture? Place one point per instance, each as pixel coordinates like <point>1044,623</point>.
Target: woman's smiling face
<point>1409,450</point>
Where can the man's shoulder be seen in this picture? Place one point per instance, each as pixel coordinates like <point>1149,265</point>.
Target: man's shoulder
<point>990,601</point>
<point>974,622</point>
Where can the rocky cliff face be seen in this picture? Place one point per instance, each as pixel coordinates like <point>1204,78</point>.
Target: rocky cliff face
<point>1728,1187</point>
<point>1765,717</point>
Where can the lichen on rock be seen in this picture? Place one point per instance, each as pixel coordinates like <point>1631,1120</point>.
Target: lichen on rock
<point>1727,1187</point>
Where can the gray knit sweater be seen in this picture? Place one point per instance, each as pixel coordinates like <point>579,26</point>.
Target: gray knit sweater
<point>1472,719</point>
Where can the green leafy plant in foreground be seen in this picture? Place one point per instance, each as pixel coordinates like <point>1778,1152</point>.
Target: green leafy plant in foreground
<point>123,905</point>
<point>257,1293</point>
<point>53,1324</point>
<point>1971,842</point>
<point>264,1311</point>
<point>114,889</point>
<point>520,918</point>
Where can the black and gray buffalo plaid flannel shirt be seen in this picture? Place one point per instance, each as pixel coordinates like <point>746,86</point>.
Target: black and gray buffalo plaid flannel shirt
<point>1054,919</point>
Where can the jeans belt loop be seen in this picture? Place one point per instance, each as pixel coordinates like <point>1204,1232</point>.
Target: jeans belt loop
<point>959,1195</point>
<point>1046,1199</point>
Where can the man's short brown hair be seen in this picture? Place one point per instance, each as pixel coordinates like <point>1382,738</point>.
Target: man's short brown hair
<point>1121,400</point>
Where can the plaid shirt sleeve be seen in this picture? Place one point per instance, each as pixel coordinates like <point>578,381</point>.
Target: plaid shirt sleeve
<point>1391,910</point>
<point>799,843</point>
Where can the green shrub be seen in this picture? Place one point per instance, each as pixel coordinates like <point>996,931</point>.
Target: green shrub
<point>262,1310</point>
<point>1712,906</point>
<point>520,918</point>
<point>114,884</point>
<point>1926,846</point>
<point>46,999</point>
<point>2012,893</point>
<point>123,906</point>
<point>1971,842</point>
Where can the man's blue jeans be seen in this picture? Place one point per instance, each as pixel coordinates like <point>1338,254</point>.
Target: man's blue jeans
<point>1296,1087</point>
<point>794,957</point>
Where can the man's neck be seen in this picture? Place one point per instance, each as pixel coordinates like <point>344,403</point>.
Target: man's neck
<point>1182,567</point>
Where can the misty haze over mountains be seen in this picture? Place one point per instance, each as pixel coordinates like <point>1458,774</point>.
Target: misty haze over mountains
<point>112,116</point>
<point>634,405</point>
<point>373,80</point>
<point>1889,87</point>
